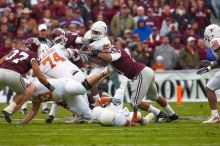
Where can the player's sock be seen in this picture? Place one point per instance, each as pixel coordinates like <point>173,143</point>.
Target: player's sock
<point>53,109</point>
<point>169,110</point>
<point>24,106</point>
<point>154,110</point>
<point>97,96</point>
<point>214,113</point>
<point>10,107</point>
<point>44,105</point>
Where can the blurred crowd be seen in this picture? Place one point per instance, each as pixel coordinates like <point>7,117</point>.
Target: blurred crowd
<point>163,34</point>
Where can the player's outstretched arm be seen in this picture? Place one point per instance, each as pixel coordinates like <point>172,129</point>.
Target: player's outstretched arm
<point>42,78</point>
<point>32,113</point>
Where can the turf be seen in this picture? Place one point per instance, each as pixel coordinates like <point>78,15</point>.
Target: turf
<point>185,132</point>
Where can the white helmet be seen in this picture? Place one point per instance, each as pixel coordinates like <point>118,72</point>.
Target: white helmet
<point>211,31</point>
<point>107,117</point>
<point>120,120</point>
<point>87,35</point>
<point>98,30</point>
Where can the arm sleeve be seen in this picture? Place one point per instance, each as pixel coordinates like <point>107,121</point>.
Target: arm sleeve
<point>115,56</point>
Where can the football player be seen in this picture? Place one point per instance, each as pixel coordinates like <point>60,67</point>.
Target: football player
<point>143,80</point>
<point>212,39</point>
<point>14,66</point>
<point>68,90</point>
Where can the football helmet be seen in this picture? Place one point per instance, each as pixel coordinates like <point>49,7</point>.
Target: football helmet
<point>98,30</point>
<point>211,31</point>
<point>107,117</point>
<point>32,44</point>
<point>58,35</point>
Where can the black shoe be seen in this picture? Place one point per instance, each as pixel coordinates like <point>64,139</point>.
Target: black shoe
<point>45,111</point>
<point>24,111</point>
<point>7,116</point>
<point>173,117</point>
<point>49,119</point>
<point>162,117</point>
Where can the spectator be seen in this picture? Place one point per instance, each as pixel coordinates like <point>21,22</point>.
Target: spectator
<point>201,15</point>
<point>6,47</point>
<point>43,35</point>
<point>127,36</point>
<point>4,33</point>
<point>166,26</point>
<point>189,56</point>
<point>173,32</point>
<point>122,21</point>
<point>167,52</point>
<point>200,47</point>
<point>73,28</point>
<point>142,30</point>
<point>189,31</point>
<point>103,10</point>
<point>153,20</point>
<point>58,9</point>
<point>86,10</point>
<point>30,22</point>
<point>177,44</point>
<point>154,39</point>
<point>140,55</point>
<point>47,18</point>
<point>68,19</point>
<point>158,65</point>
<point>140,14</point>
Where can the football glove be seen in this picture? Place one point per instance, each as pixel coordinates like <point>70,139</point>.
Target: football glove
<point>116,101</point>
<point>203,70</point>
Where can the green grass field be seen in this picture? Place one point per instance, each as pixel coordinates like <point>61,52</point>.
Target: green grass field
<point>185,132</point>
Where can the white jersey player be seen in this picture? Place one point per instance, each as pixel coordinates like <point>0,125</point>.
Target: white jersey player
<point>55,63</point>
<point>212,39</point>
<point>68,90</point>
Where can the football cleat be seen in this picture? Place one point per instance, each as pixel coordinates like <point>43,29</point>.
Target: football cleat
<point>49,119</point>
<point>23,111</point>
<point>7,116</point>
<point>212,120</point>
<point>173,118</point>
<point>162,117</point>
<point>75,120</point>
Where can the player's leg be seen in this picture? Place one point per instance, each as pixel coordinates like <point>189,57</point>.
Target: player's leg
<point>211,87</point>
<point>139,88</point>
<point>45,110</point>
<point>52,113</point>
<point>78,106</point>
<point>23,109</point>
<point>153,95</point>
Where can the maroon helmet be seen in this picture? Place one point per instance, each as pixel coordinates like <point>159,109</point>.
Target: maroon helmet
<point>32,44</point>
<point>58,36</point>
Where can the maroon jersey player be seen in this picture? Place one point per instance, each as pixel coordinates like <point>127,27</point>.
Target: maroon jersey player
<point>68,40</point>
<point>15,65</point>
<point>143,80</point>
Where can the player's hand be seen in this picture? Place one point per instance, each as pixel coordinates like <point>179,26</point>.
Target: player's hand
<point>85,58</point>
<point>116,101</point>
<point>203,70</point>
<point>86,41</point>
<point>205,63</point>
